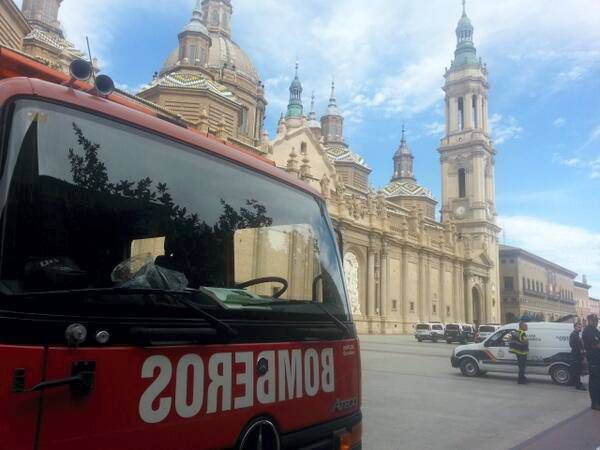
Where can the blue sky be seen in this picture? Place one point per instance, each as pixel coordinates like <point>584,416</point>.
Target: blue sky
<point>388,59</point>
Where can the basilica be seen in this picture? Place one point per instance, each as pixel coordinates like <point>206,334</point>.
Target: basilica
<point>404,263</point>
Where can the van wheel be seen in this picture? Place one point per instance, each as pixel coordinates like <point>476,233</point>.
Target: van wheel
<point>469,368</point>
<point>561,375</point>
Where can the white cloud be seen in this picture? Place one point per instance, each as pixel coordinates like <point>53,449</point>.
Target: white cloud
<point>504,129</point>
<point>435,128</point>
<point>590,166</point>
<point>559,122</point>
<point>572,247</point>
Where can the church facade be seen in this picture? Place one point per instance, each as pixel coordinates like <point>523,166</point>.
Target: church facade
<point>402,265</point>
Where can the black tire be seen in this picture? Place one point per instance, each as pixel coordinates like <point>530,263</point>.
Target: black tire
<point>561,374</point>
<point>469,367</point>
<point>448,342</point>
<point>419,339</point>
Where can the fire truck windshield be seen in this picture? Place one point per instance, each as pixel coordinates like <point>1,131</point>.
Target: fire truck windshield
<point>92,204</point>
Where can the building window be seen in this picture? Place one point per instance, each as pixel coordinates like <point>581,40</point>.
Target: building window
<point>461,114</point>
<point>508,283</point>
<point>475,117</point>
<point>214,19</point>
<point>462,183</point>
<point>192,54</point>
<point>412,306</point>
<point>435,309</point>
<point>244,121</point>
<point>202,56</point>
<point>394,305</point>
<point>448,311</point>
<point>524,286</point>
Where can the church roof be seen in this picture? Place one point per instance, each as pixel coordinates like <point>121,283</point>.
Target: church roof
<point>53,40</point>
<point>192,80</point>
<point>195,25</point>
<point>223,53</point>
<point>339,153</point>
<point>406,188</point>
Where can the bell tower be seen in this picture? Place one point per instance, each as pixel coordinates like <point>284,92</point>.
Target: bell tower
<point>43,13</point>
<point>467,159</point>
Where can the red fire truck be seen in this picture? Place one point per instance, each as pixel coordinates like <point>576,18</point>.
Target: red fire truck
<point>160,289</point>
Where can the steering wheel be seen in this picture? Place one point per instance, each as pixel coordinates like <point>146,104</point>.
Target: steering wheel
<point>262,280</point>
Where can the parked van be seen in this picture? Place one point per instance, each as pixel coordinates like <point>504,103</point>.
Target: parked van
<point>549,352</point>
<point>429,331</point>
<point>458,332</point>
<point>485,331</point>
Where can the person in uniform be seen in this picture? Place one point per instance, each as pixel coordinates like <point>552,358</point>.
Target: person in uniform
<point>519,345</point>
<point>577,354</point>
<point>591,343</point>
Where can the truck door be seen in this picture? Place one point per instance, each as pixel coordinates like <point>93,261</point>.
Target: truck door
<point>20,368</point>
<point>497,357</point>
<point>103,410</point>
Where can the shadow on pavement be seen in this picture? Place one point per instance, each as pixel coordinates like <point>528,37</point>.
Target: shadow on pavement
<point>579,432</point>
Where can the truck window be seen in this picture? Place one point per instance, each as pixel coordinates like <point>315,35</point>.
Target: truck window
<point>93,204</point>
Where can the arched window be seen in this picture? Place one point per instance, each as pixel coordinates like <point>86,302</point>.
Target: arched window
<point>192,54</point>
<point>462,183</point>
<point>303,148</point>
<point>475,115</point>
<point>214,18</point>
<point>461,114</point>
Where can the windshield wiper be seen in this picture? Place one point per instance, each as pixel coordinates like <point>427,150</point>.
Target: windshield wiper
<point>341,325</point>
<point>182,297</point>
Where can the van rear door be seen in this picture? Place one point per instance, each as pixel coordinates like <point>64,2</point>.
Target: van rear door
<point>21,368</point>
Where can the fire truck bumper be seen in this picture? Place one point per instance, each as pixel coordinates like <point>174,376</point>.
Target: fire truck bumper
<point>339,434</point>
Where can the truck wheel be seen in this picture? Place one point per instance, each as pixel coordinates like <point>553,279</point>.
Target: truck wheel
<point>469,368</point>
<point>561,374</point>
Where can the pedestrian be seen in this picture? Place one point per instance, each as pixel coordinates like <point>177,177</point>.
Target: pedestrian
<point>591,342</point>
<point>577,355</point>
<point>519,345</point>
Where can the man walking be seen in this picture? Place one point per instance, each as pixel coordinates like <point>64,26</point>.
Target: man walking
<point>577,356</point>
<point>519,345</point>
<point>591,342</point>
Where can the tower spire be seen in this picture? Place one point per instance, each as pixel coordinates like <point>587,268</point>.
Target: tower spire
<point>295,108</point>
<point>464,3</point>
<point>403,161</point>
<point>332,108</point>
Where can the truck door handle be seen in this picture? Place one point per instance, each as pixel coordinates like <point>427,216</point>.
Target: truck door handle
<point>81,381</point>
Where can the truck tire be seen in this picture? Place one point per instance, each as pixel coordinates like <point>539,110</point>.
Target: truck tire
<point>469,367</point>
<point>561,374</point>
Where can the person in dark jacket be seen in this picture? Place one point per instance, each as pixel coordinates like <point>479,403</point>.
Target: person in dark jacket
<point>577,355</point>
<point>591,343</point>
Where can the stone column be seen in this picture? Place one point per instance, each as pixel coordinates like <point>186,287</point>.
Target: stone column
<point>404,290</point>
<point>383,282</point>
<point>468,105</point>
<point>469,299</point>
<point>442,300</point>
<point>447,102</point>
<point>371,283</point>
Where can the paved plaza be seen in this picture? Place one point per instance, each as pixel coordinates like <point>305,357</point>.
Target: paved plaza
<point>413,399</point>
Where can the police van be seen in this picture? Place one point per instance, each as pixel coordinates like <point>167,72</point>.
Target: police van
<point>549,352</point>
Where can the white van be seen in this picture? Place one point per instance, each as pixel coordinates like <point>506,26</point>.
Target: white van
<point>429,331</point>
<point>485,331</point>
<point>549,352</point>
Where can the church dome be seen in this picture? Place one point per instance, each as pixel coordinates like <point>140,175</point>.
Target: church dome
<point>223,53</point>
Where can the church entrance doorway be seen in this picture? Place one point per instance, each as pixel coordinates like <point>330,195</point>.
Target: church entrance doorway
<point>477,307</point>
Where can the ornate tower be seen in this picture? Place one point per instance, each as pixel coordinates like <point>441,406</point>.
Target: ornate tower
<point>295,108</point>
<point>194,42</point>
<point>403,162</point>
<point>43,13</point>
<point>332,123</point>
<point>468,183</point>
<point>217,16</point>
